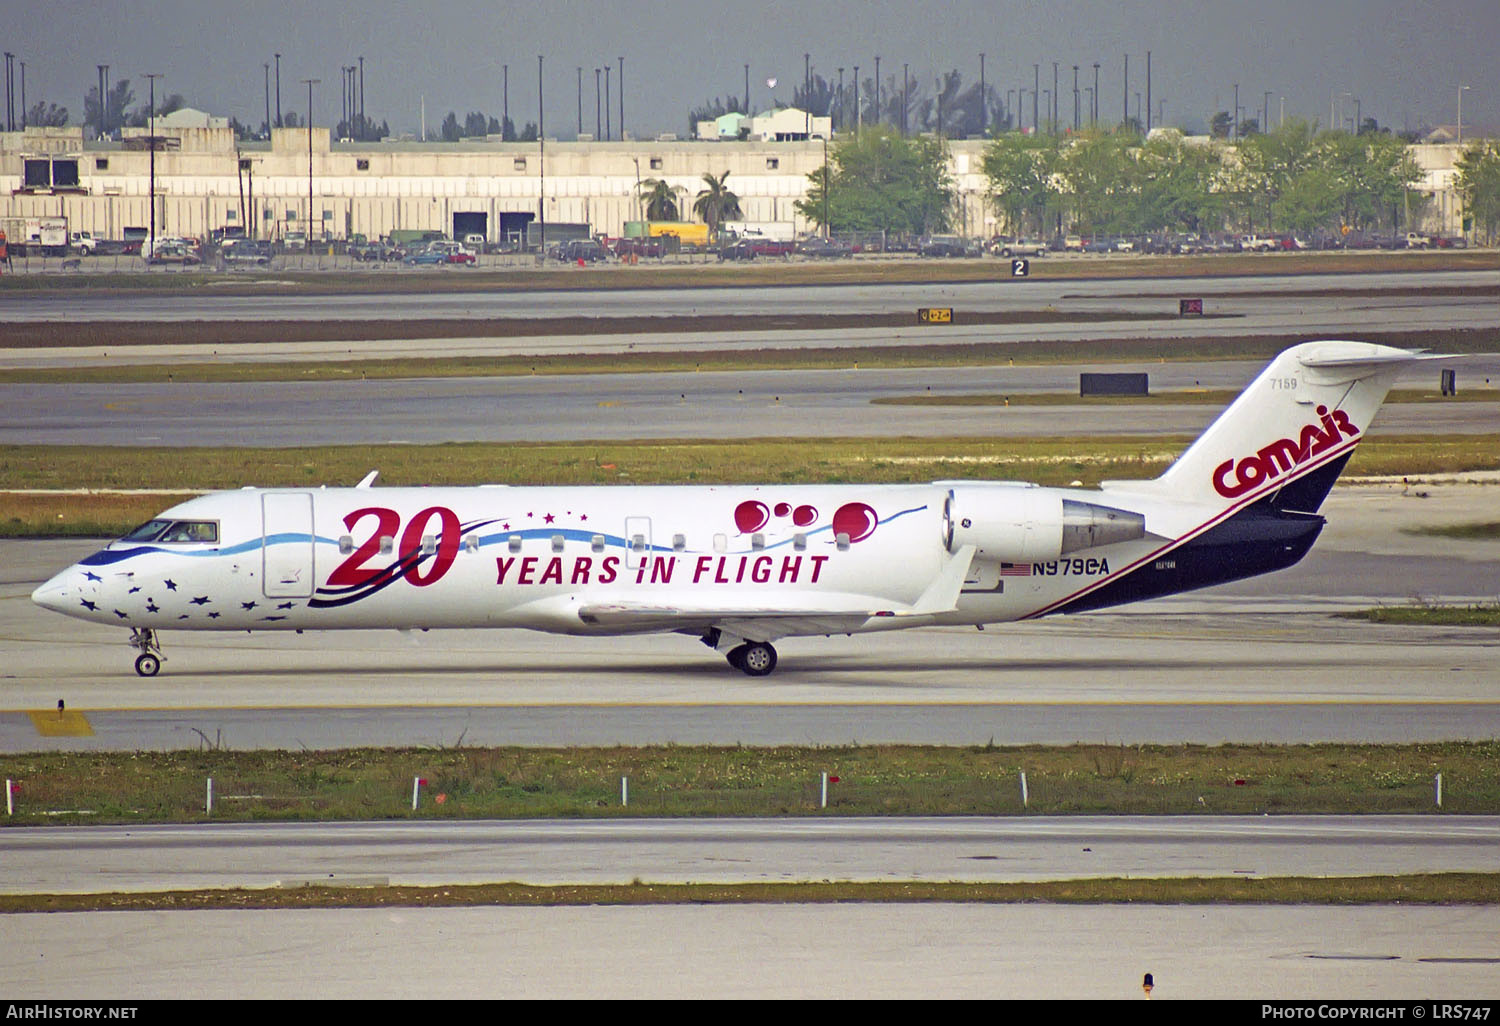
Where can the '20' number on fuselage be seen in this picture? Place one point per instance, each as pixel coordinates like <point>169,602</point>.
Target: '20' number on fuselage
<point>353,572</point>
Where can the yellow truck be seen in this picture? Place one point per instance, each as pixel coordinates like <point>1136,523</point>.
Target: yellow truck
<point>689,233</point>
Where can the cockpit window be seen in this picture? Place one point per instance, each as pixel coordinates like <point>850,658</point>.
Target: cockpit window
<point>192,531</point>
<point>148,531</point>
<point>176,531</point>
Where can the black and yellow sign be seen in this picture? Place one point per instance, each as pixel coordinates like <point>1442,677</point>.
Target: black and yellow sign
<point>935,315</point>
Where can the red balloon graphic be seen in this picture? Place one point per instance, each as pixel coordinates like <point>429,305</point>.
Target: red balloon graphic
<point>804,516</point>
<point>751,516</point>
<point>856,520</point>
<point>783,508</point>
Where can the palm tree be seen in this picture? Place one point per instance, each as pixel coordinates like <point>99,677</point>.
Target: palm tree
<point>659,199</point>
<point>716,204</point>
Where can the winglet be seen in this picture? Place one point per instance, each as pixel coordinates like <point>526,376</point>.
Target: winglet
<point>369,479</point>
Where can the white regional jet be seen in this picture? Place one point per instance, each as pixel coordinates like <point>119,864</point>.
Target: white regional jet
<point>740,566</point>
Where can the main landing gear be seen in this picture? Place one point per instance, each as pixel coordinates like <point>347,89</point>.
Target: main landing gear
<point>149,661</point>
<point>755,658</point>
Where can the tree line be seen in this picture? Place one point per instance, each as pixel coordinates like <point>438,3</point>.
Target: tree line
<point>1293,179</point>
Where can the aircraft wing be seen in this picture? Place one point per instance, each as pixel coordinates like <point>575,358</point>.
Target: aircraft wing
<point>782,614</point>
<point>761,623</point>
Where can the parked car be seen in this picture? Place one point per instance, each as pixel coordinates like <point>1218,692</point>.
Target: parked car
<point>638,247</point>
<point>1005,246</point>
<point>173,253</point>
<point>425,255</point>
<point>818,247</point>
<point>743,249</point>
<point>588,250</point>
<point>294,242</point>
<point>241,252</point>
<point>942,246</point>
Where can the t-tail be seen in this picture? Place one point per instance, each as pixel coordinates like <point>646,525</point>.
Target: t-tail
<point>1290,433</point>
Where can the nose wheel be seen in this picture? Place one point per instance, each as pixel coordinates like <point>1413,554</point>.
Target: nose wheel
<point>755,658</point>
<point>149,661</point>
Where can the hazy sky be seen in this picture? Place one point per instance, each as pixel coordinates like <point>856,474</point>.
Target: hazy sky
<point>1404,61</point>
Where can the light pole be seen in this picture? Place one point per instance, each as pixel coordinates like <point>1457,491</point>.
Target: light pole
<point>621,86</point>
<point>151,145</point>
<point>827,228</point>
<point>859,116</point>
<point>278,91</point>
<point>1094,106</point>
<point>807,95</point>
<point>905,96</point>
<point>310,82</point>
<point>1461,114</point>
<point>541,153</point>
<point>984,110</point>
<point>1077,113</point>
<point>638,215</point>
<point>879,114</point>
<point>1055,103</point>
<point>840,126</point>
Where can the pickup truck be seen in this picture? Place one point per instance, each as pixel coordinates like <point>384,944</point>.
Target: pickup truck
<point>1416,240</point>
<point>1258,243</point>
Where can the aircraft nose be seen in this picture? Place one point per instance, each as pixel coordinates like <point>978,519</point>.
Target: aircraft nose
<point>56,593</point>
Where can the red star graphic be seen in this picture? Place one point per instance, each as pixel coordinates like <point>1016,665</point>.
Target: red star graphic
<point>548,518</point>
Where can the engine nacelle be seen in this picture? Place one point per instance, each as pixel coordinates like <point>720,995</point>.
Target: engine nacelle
<point>1014,524</point>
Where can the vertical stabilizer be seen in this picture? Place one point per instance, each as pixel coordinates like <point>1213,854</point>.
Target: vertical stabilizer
<point>1309,408</point>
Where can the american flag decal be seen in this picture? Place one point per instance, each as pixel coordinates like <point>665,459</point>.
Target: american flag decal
<point>1015,569</point>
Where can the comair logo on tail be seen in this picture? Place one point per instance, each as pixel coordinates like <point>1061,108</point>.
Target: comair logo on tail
<point>1283,454</point>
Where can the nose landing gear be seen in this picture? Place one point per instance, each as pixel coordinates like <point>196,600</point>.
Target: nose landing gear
<point>149,661</point>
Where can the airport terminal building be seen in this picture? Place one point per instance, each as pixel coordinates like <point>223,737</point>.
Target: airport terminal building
<point>302,180</point>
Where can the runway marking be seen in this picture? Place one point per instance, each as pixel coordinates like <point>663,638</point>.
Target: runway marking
<point>60,723</point>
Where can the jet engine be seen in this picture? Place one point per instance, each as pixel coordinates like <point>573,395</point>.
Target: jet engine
<point>1017,524</point>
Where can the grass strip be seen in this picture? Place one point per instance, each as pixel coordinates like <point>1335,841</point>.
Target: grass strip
<point>354,367</point>
<point>79,499</point>
<point>708,781</point>
<point>1416,889</point>
<point>1429,615</point>
<point>1489,531</point>
<point>1181,397</point>
<point>291,279</point>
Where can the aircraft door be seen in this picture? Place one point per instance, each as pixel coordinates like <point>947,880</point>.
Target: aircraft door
<point>287,521</point>
<point>637,541</point>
